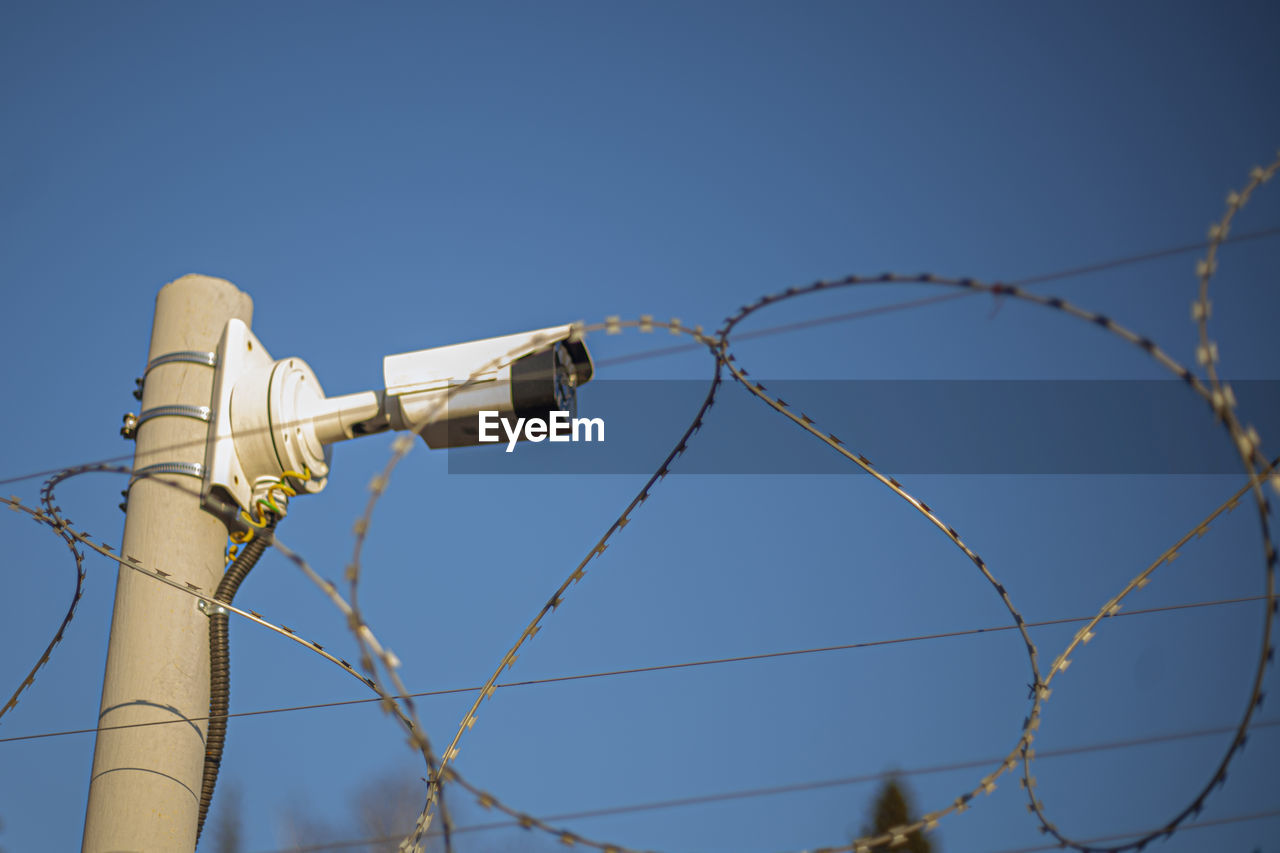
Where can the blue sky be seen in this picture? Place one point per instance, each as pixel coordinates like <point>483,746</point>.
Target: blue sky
<point>388,178</point>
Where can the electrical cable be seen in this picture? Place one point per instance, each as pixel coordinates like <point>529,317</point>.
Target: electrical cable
<point>663,667</point>
<point>800,787</point>
<point>220,662</point>
<point>1085,269</point>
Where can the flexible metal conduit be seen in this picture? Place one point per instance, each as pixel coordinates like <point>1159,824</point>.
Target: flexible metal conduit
<point>220,663</point>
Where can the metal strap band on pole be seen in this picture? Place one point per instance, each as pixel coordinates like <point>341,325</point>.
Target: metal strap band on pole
<point>200,413</point>
<point>190,356</point>
<point>186,469</point>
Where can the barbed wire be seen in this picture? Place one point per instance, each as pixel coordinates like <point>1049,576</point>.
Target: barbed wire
<point>59,527</point>
<point>1039,689</point>
<point>381,667</point>
<point>524,819</point>
<point>53,519</point>
<point>65,528</point>
<point>1247,443</point>
<point>1249,449</point>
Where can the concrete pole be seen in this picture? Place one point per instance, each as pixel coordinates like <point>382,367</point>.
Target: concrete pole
<point>145,788</point>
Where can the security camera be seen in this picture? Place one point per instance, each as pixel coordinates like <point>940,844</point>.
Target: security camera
<point>270,421</point>
<point>439,393</point>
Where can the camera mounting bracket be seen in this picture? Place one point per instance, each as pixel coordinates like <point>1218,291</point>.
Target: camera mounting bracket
<point>270,422</point>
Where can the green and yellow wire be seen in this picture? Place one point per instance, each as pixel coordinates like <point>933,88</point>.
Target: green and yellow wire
<point>263,505</point>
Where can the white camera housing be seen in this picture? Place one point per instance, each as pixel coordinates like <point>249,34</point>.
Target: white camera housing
<point>439,393</point>
<point>271,422</point>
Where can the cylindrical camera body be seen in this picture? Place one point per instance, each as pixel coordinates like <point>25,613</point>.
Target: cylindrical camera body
<point>441,393</point>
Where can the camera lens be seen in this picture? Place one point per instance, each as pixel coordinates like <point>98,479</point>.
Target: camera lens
<point>544,382</point>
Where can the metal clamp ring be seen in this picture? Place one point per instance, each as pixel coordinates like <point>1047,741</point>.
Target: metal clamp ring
<point>208,359</point>
<point>188,469</point>
<point>199,413</point>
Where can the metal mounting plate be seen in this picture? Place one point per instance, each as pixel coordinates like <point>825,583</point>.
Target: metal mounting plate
<point>226,489</point>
